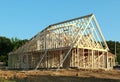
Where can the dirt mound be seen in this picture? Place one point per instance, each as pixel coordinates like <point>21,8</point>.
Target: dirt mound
<point>112,74</point>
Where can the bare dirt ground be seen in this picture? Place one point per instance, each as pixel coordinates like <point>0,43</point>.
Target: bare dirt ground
<point>62,75</point>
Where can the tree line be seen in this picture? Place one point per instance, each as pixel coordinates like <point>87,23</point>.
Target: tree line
<point>111,45</point>
<point>7,45</point>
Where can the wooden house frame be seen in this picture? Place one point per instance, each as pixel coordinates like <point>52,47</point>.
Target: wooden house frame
<point>76,43</point>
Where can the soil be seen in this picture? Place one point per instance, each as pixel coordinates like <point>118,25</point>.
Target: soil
<point>68,75</point>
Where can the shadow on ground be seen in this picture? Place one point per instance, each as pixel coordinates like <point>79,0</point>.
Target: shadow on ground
<point>60,79</point>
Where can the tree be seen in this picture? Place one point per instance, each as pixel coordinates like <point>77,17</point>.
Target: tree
<point>111,45</point>
<point>16,43</point>
<point>7,45</point>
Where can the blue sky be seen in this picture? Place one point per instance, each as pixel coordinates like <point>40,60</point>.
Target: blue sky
<point>25,18</point>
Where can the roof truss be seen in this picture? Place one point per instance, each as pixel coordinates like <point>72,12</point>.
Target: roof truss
<point>84,32</point>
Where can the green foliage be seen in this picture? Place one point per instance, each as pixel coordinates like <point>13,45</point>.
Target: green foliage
<point>17,43</point>
<point>111,45</point>
<point>7,45</point>
<point>118,58</point>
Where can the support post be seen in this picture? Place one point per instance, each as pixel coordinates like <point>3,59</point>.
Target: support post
<point>107,61</point>
<point>92,60</point>
<point>83,59</point>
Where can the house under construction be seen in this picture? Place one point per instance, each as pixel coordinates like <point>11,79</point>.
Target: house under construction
<point>75,43</point>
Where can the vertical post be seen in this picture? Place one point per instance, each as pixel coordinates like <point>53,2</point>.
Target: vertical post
<point>20,61</point>
<point>78,57</point>
<point>61,57</point>
<point>72,58</point>
<point>27,61</point>
<point>83,59</point>
<point>92,60</point>
<point>53,59</point>
<point>98,59</point>
<point>107,61</point>
<point>103,63</point>
<point>75,57</point>
<point>88,59</point>
<point>38,44</point>
<point>44,40</point>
